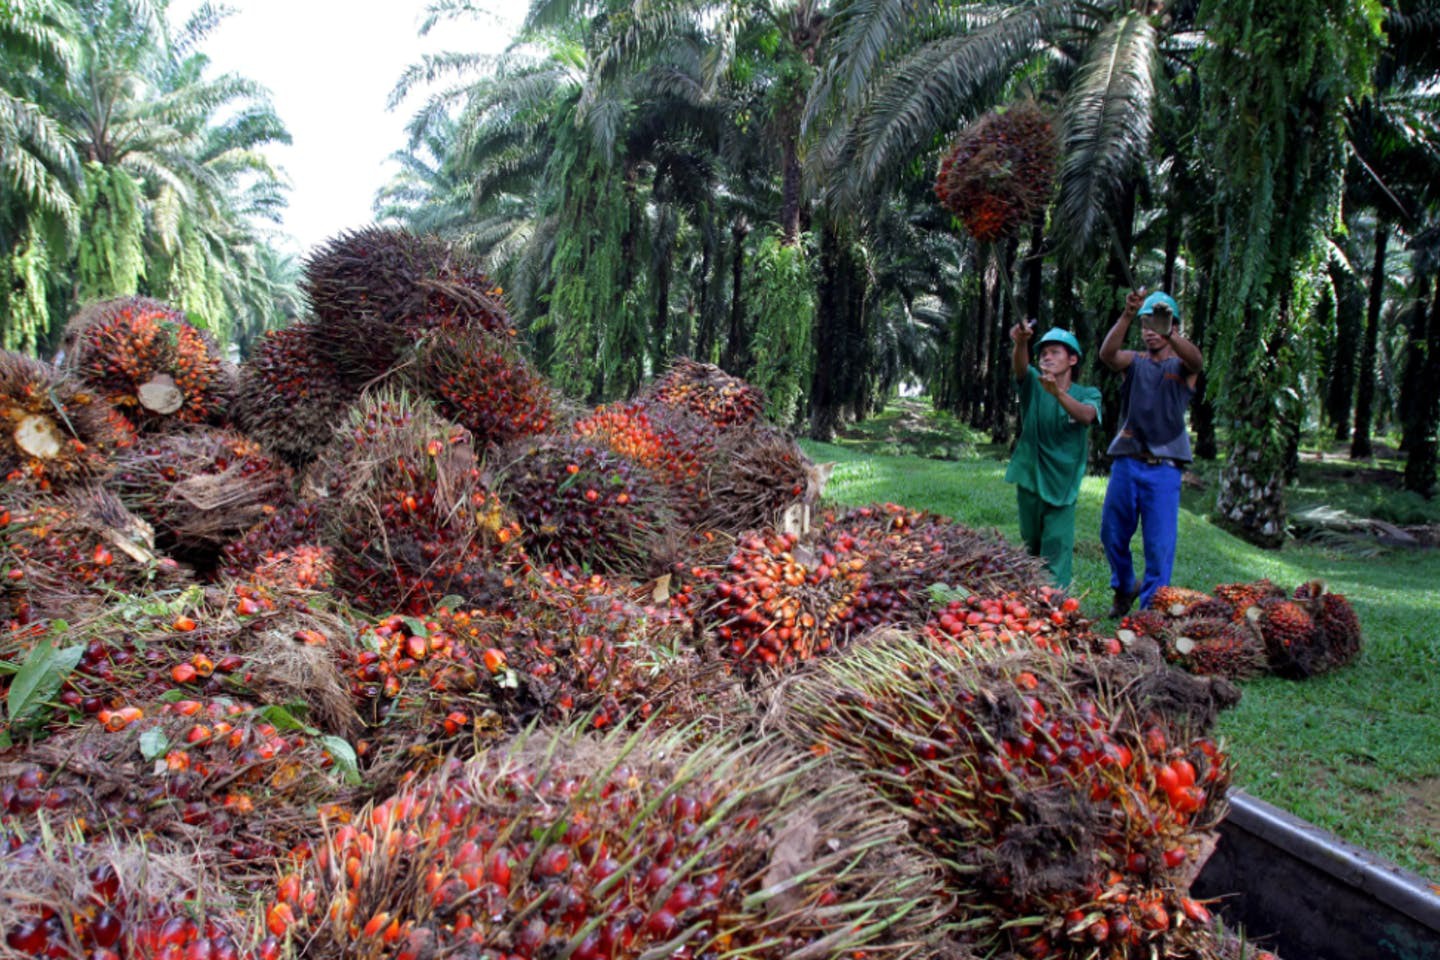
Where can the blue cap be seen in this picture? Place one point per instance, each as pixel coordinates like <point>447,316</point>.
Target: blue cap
<point>1158,299</point>
<point>1063,337</point>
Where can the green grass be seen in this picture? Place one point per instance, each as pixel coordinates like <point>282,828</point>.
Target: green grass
<point>1356,752</point>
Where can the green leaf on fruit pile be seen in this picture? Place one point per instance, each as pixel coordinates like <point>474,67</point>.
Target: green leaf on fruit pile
<point>451,602</point>
<point>154,743</point>
<point>7,668</point>
<point>173,695</point>
<point>40,677</point>
<point>344,756</point>
<point>942,593</point>
<point>282,719</point>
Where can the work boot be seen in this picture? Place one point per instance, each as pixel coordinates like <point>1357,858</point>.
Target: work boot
<point>1123,602</point>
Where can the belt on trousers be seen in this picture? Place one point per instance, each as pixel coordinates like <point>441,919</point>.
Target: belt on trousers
<point>1154,461</point>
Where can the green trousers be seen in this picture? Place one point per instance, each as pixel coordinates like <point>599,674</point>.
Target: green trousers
<point>1048,532</point>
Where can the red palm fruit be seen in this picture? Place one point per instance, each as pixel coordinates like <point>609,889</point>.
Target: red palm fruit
<point>147,360</point>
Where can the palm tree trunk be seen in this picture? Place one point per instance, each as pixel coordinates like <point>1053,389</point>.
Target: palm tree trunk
<point>1360,445</point>
<point>1421,463</point>
<point>1414,367</point>
<point>839,330</point>
<point>1349,323</point>
<point>1251,496</point>
<point>737,346</point>
<point>790,193</point>
<point>1202,407</point>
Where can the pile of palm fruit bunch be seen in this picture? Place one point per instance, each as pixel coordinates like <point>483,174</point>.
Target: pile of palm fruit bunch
<point>200,489</point>
<point>999,172</point>
<point>1243,630</point>
<point>53,431</point>
<point>145,359</point>
<point>1070,811</point>
<point>604,848</point>
<point>411,659</point>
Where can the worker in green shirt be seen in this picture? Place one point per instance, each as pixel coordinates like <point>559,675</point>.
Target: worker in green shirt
<point>1049,459</point>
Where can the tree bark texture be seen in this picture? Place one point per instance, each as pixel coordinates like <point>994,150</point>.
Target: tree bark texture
<point>1349,329</point>
<point>1420,465</point>
<point>839,332</point>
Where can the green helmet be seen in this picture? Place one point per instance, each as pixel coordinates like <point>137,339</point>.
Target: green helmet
<point>1063,337</point>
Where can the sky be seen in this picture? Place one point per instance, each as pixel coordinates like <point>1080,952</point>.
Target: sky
<point>330,66</point>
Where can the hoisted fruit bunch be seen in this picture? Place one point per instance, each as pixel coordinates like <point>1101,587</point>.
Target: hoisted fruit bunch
<point>200,489</point>
<point>758,475</point>
<point>290,395</point>
<point>674,445</point>
<point>104,900</point>
<point>593,849</point>
<point>578,504</point>
<point>145,359</point>
<point>379,290</point>
<point>53,431</point>
<point>705,389</point>
<point>480,379</point>
<point>1073,819</point>
<point>61,555</point>
<point>999,173</point>
<point>406,512</point>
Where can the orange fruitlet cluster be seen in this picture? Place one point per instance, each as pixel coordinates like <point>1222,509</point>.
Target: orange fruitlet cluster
<point>705,389</point>
<point>124,344</point>
<point>999,172</point>
<point>86,431</point>
<point>480,380</point>
<point>291,395</point>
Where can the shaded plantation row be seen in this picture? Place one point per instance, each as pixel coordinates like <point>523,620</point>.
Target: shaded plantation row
<point>377,648</point>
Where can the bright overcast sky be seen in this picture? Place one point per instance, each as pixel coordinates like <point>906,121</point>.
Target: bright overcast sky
<point>330,66</point>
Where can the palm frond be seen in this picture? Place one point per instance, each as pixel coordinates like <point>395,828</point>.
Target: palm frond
<point>1106,129</point>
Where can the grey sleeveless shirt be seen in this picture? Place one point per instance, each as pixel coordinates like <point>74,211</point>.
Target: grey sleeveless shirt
<point>1153,398</point>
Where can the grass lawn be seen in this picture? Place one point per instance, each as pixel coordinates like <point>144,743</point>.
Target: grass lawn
<point>1356,752</point>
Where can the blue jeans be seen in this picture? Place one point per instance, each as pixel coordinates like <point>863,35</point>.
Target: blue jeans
<point>1147,495</point>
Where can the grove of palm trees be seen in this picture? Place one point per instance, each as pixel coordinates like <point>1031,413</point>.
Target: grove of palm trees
<point>463,587</point>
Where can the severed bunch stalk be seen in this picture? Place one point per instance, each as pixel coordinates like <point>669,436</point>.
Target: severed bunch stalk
<point>53,431</point>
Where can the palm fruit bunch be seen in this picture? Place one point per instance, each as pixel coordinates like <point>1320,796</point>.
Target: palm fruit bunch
<point>280,532</point>
<point>706,390</point>
<point>200,489</point>
<point>1000,171</point>
<point>1214,645</point>
<point>915,550</point>
<point>1071,817</point>
<point>379,290</point>
<point>106,900</point>
<point>759,474</point>
<point>673,445</point>
<point>1142,624</point>
<point>592,848</point>
<point>406,512</point>
<point>1242,596</point>
<point>204,770</point>
<point>53,432</point>
<point>59,555</point>
<point>775,602</point>
<point>1310,634</point>
<point>480,379</point>
<point>1054,623</point>
<point>1177,601</point>
<point>291,395</point>
<point>578,503</point>
<point>144,358</point>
